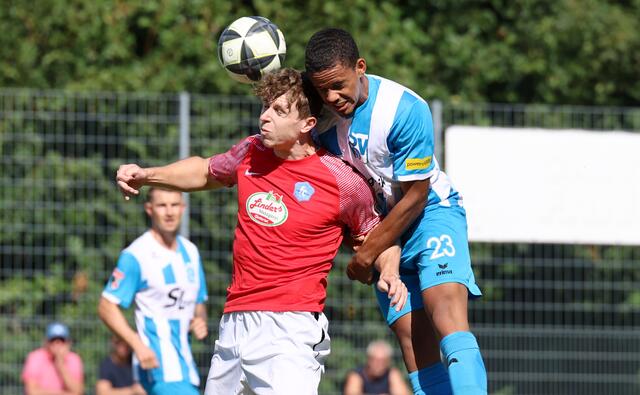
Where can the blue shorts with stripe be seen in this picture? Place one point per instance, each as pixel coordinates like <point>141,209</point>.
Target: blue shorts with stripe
<point>435,250</point>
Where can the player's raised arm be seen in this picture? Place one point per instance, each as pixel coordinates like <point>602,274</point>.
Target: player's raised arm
<point>186,175</point>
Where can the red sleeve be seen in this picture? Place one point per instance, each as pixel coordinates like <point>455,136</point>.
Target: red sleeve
<point>356,197</point>
<point>222,167</point>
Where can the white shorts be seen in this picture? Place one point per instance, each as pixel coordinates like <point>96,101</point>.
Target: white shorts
<point>264,352</point>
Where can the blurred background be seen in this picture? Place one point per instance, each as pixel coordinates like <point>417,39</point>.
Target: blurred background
<point>88,85</point>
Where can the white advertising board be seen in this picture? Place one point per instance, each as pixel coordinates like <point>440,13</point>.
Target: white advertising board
<point>547,186</point>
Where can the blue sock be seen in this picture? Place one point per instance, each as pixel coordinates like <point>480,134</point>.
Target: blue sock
<point>466,369</point>
<point>432,380</point>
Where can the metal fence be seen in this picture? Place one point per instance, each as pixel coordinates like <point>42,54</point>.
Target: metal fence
<point>555,319</point>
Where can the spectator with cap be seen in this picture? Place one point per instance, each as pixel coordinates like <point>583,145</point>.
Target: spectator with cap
<point>54,369</point>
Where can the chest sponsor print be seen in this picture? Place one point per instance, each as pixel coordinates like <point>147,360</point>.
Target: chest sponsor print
<point>359,143</point>
<point>267,208</point>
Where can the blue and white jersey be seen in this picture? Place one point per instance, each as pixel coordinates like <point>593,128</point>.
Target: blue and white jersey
<point>391,133</point>
<point>165,286</point>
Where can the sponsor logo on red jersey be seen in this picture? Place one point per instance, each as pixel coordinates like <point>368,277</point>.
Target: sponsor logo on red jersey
<point>267,208</point>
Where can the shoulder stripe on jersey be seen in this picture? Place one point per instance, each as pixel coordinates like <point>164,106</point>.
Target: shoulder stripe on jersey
<point>384,112</point>
<point>183,251</point>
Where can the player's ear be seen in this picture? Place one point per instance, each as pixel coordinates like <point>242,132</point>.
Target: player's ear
<point>147,208</point>
<point>309,124</point>
<point>361,67</point>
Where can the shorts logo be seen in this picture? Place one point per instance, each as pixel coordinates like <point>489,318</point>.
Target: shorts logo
<point>267,208</point>
<point>116,277</point>
<point>303,191</point>
<point>443,270</point>
<point>417,163</point>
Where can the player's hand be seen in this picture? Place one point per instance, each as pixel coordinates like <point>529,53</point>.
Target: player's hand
<point>59,350</point>
<point>198,327</point>
<point>358,272</point>
<point>391,283</point>
<point>130,179</point>
<point>147,357</point>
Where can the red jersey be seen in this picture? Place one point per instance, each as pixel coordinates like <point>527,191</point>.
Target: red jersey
<point>291,215</point>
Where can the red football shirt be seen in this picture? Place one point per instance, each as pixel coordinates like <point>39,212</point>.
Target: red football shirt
<point>291,215</point>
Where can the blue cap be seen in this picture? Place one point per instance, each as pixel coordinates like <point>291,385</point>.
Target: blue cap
<point>57,330</point>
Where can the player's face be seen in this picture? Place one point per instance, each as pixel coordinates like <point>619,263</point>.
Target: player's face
<point>342,88</point>
<point>165,210</point>
<point>281,125</point>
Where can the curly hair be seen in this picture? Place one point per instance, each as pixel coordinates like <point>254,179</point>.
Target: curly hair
<point>296,85</point>
<point>328,48</point>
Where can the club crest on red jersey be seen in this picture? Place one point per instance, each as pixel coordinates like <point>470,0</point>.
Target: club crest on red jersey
<point>303,191</point>
<point>267,208</point>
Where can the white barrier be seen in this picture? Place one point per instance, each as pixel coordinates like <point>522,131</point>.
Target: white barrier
<point>547,186</point>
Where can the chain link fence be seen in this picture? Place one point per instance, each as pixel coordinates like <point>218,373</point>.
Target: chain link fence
<point>555,319</point>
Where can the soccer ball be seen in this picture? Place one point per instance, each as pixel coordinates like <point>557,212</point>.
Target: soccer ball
<point>251,47</point>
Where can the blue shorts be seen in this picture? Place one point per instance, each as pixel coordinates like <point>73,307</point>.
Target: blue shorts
<point>435,250</point>
<point>171,388</point>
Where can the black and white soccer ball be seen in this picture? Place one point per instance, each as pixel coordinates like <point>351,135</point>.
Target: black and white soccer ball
<point>250,47</point>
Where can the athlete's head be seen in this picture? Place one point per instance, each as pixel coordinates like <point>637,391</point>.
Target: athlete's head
<point>164,208</point>
<point>336,69</point>
<point>379,355</point>
<point>290,107</point>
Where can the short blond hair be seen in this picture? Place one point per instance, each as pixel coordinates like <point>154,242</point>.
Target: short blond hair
<point>380,345</point>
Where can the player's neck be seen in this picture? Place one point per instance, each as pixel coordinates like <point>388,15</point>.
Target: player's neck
<point>299,150</point>
<point>364,83</point>
<point>166,239</point>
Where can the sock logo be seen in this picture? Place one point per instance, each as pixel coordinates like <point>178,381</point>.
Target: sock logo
<point>451,361</point>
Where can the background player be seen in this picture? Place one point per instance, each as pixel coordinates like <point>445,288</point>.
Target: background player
<point>388,128</point>
<point>162,272</point>
<point>293,204</point>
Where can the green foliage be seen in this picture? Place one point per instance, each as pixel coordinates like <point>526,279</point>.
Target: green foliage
<point>568,51</point>
<point>64,222</point>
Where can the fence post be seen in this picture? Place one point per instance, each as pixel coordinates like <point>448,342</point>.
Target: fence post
<point>438,134</point>
<point>184,153</point>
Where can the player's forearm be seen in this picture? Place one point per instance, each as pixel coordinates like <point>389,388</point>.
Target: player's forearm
<point>389,259</point>
<point>113,318</point>
<point>191,174</point>
<point>396,223</point>
<point>201,311</point>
